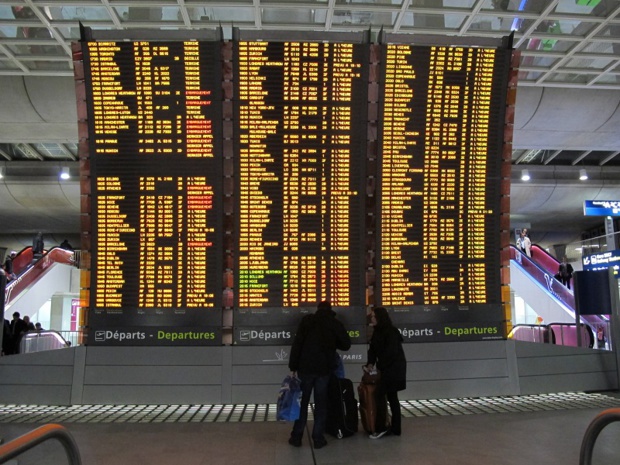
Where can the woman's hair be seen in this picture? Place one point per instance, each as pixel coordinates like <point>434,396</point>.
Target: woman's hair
<point>383,318</point>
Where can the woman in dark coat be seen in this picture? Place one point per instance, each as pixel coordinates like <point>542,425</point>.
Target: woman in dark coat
<point>386,351</point>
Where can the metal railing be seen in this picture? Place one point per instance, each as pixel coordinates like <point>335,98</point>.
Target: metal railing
<point>594,429</point>
<point>38,341</point>
<point>562,334</point>
<point>74,338</point>
<point>35,437</point>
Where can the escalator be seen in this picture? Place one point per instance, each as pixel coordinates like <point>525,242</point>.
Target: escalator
<point>38,278</point>
<point>533,280</point>
<point>544,259</point>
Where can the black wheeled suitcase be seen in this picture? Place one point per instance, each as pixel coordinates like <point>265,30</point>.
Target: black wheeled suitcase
<point>342,416</point>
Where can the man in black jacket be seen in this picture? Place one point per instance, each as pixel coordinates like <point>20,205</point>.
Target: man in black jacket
<point>18,328</point>
<point>8,266</point>
<point>313,359</point>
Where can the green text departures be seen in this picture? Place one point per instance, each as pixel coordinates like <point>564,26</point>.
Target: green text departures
<point>184,335</point>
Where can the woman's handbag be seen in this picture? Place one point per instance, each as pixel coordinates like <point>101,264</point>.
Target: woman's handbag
<point>288,406</point>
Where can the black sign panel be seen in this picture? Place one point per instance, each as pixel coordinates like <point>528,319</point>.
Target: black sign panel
<point>439,203</point>
<point>296,151</point>
<point>301,124</point>
<point>155,118</point>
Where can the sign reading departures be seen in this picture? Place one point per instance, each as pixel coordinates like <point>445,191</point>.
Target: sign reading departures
<point>302,206</point>
<point>301,111</point>
<point>439,189</point>
<point>155,117</point>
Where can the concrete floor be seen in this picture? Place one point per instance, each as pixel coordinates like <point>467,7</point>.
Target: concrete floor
<point>551,436</point>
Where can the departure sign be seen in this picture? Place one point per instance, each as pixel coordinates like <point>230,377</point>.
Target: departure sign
<point>301,143</point>
<point>155,135</point>
<point>439,203</point>
<point>247,180</point>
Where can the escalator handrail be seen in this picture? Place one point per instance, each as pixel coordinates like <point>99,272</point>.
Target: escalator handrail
<point>35,437</point>
<point>594,429</point>
<point>540,249</point>
<point>22,260</point>
<point>51,257</point>
<point>535,253</point>
<point>535,263</point>
<point>568,297</point>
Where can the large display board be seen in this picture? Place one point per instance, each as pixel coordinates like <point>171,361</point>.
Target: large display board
<point>236,184</point>
<point>301,142</point>
<point>439,190</point>
<point>155,137</point>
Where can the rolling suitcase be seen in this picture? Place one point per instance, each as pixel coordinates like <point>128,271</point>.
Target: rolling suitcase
<point>370,410</point>
<point>342,417</point>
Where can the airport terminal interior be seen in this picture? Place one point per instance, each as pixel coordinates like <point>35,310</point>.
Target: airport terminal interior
<point>527,402</point>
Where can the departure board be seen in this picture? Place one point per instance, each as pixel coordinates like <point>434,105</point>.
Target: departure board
<point>155,119</point>
<point>439,235</point>
<point>248,180</point>
<point>301,111</point>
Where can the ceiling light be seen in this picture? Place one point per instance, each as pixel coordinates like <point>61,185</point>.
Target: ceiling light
<point>583,175</point>
<point>525,175</point>
<point>64,173</point>
<point>2,172</point>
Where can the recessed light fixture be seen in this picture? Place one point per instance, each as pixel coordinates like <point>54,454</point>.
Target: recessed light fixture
<point>64,173</point>
<point>525,175</point>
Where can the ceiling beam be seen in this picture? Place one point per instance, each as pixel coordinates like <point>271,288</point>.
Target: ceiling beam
<point>5,155</point>
<point>14,59</point>
<point>539,19</point>
<point>569,54</point>
<point>67,152</point>
<point>113,14</point>
<point>30,151</point>
<point>401,15</point>
<point>60,40</point>
<point>258,18</point>
<point>609,158</point>
<point>552,156</point>
<point>184,13</point>
<point>607,71</point>
<point>581,157</point>
<point>330,14</point>
<point>470,18</point>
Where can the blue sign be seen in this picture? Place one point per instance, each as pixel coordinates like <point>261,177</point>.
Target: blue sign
<point>601,207</point>
<point>602,261</point>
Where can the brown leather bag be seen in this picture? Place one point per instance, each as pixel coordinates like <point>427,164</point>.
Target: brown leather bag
<point>370,409</point>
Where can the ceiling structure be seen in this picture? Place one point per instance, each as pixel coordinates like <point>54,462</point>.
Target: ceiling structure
<point>567,111</point>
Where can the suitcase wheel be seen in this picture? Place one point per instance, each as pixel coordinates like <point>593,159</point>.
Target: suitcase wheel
<point>340,435</point>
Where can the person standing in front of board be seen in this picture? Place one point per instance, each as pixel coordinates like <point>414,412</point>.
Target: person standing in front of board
<point>386,351</point>
<point>313,359</point>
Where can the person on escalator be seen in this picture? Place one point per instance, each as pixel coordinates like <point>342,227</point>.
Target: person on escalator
<point>524,244</point>
<point>8,266</point>
<point>66,245</point>
<point>29,324</point>
<point>37,246</point>
<point>565,270</point>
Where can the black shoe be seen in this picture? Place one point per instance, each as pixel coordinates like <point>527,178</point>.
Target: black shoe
<point>320,444</point>
<point>295,442</point>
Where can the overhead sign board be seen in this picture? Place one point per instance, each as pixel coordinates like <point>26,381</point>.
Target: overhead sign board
<point>601,207</point>
<point>602,261</point>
